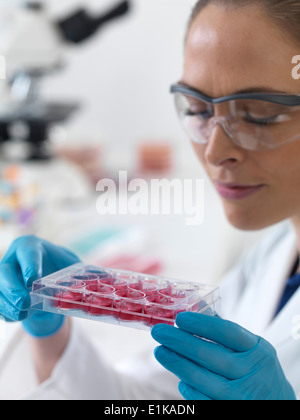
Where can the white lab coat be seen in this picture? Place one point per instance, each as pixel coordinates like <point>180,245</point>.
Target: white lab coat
<point>250,295</point>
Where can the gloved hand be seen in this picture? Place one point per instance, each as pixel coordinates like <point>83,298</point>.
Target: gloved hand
<point>28,259</point>
<point>219,360</point>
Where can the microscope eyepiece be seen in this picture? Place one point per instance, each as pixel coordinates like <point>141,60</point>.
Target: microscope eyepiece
<point>81,26</point>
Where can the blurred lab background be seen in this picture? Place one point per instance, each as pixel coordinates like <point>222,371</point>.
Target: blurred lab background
<point>86,95</point>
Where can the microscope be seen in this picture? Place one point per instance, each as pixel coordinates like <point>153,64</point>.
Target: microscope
<point>34,46</point>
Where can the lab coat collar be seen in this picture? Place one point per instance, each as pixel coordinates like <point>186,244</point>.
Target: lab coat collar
<point>271,288</point>
<point>285,323</point>
<point>283,261</point>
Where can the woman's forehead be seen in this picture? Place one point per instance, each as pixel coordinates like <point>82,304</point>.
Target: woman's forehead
<point>227,51</point>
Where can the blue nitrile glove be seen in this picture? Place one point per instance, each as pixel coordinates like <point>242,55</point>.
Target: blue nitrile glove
<point>28,259</point>
<point>219,360</point>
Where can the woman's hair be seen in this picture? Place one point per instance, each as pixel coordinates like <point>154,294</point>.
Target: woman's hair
<point>284,13</point>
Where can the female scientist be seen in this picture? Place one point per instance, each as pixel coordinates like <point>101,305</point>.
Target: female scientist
<point>238,102</point>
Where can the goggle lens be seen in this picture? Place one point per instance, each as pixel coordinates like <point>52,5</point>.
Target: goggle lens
<point>251,124</point>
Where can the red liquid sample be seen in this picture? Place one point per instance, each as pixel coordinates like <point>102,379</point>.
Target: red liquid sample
<point>160,315</point>
<point>164,311</point>
<point>130,304</point>
<point>149,289</point>
<point>124,299</point>
<point>118,284</point>
<point>100,299</point>
<point>71,295</point>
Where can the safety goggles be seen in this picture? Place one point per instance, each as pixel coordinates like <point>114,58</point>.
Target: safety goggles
<point>253,121</point>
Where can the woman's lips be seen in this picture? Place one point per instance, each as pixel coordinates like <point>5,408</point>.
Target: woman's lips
<point>236,192</point>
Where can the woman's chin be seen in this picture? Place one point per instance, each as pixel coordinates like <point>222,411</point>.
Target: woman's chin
<point>248,220</point>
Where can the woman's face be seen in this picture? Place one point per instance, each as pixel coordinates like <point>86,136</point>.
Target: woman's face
<point>241,50</point>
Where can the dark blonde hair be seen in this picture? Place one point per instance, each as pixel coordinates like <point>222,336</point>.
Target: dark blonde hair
<point>284,13</point>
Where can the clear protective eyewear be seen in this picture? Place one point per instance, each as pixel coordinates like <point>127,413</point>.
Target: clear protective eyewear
<point>253,121</point>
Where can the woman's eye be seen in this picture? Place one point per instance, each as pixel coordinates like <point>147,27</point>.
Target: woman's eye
<point>203,114</point>
<point>262,121</point>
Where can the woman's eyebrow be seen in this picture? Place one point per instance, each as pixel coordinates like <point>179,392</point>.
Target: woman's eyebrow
<point>259,89</point>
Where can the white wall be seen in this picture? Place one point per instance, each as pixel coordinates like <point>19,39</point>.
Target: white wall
<point>122,77</point>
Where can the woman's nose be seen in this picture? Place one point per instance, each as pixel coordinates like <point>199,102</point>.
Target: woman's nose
<point>221,150</point>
